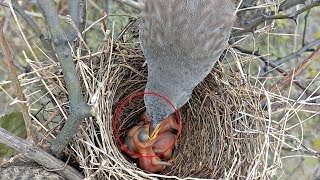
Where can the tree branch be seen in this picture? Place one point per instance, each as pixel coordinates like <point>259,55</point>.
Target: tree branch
<point>133,4</point>
<point>287,4</point>
<point>83,14</point>
<point>305,28</point>
<point>24,69</point>
<point>46,42</point>
<point>256,22</point>
<point>297,71</point>
<point>74,11</point>
<point>298,53</point>
<point>38,155</point>
<point>8,57</point>
<point>78,108</point>
<point>275,66</point>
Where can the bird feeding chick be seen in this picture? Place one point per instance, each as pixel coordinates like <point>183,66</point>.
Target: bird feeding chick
<point>138,141</point>
<point>181,40</point>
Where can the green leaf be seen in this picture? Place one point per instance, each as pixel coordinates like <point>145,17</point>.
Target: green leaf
<point>316,142</point>
<point>311,161</point>
<point>318,34</point>
<point>13,123</point>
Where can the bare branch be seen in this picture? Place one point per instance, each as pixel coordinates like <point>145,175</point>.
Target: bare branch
<point>133,4</point>
<point>298,70</point>
<point>256,22</point>
<point>45,41</point>
<point>79,109</point>
<point>305,27</point>
<point>8,57</point>
<point>38,155</point>
<point>24,69</point>
<point>298,53</point>
<point>287,4</point>
<point>275,66</point>
<point>83,14</point>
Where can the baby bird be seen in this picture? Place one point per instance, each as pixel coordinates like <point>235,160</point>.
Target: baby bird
<point>129,144</point>
<point>144,148</point>
<point>151,164</point>
<point>141,138</point>
<point>163,142</point>
<point>168,124</point>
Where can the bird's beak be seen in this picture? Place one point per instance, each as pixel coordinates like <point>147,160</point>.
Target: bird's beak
<point>153,132</point>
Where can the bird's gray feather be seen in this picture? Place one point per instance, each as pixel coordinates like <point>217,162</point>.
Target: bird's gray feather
<point>181,40</point>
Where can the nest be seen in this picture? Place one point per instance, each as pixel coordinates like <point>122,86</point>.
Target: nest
<point>224,129</point>
<point>221,124</point>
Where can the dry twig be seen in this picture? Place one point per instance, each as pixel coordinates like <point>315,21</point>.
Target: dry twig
<point>38,155</point>
<point>23,103</point>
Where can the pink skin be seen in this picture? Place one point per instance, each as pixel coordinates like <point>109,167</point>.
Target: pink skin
<point>137,141</point>
<point>168,124</point>
<point>129,144</point>
<point>151,164</point>
<point>163,142</point>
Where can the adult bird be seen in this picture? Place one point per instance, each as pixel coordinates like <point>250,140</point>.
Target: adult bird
<point>181,41</point>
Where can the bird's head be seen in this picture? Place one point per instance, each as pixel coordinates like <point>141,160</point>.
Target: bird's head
<point>160,108</point>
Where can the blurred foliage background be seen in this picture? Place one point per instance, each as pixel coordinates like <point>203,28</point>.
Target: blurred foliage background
<point>285,38</point>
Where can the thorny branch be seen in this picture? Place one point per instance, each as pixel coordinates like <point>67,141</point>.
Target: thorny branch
<point>298,53</point>
<point>297,71</point>
<point>256,22</point>
<point>275,66</point>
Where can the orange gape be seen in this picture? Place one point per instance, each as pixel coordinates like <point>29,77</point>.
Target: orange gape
<point>163,142</point>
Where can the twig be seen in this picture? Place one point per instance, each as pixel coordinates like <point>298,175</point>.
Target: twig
<point>78,33</point>
<point>8,57</point>
<point>305,27</point>
<point>256,22</point>
<point>125,29</point>
<point>83,15</point>
<point>79,109</point>
<point>275,66</point>
<point>45,41</point>
<point>296,71</point>
<point>24,69</point>
<point>104,25</point>
<point>38,155</point>
<point>287,4</point>
<point>256,53</point>
<point>133,4</point>
<point>298,53</point>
